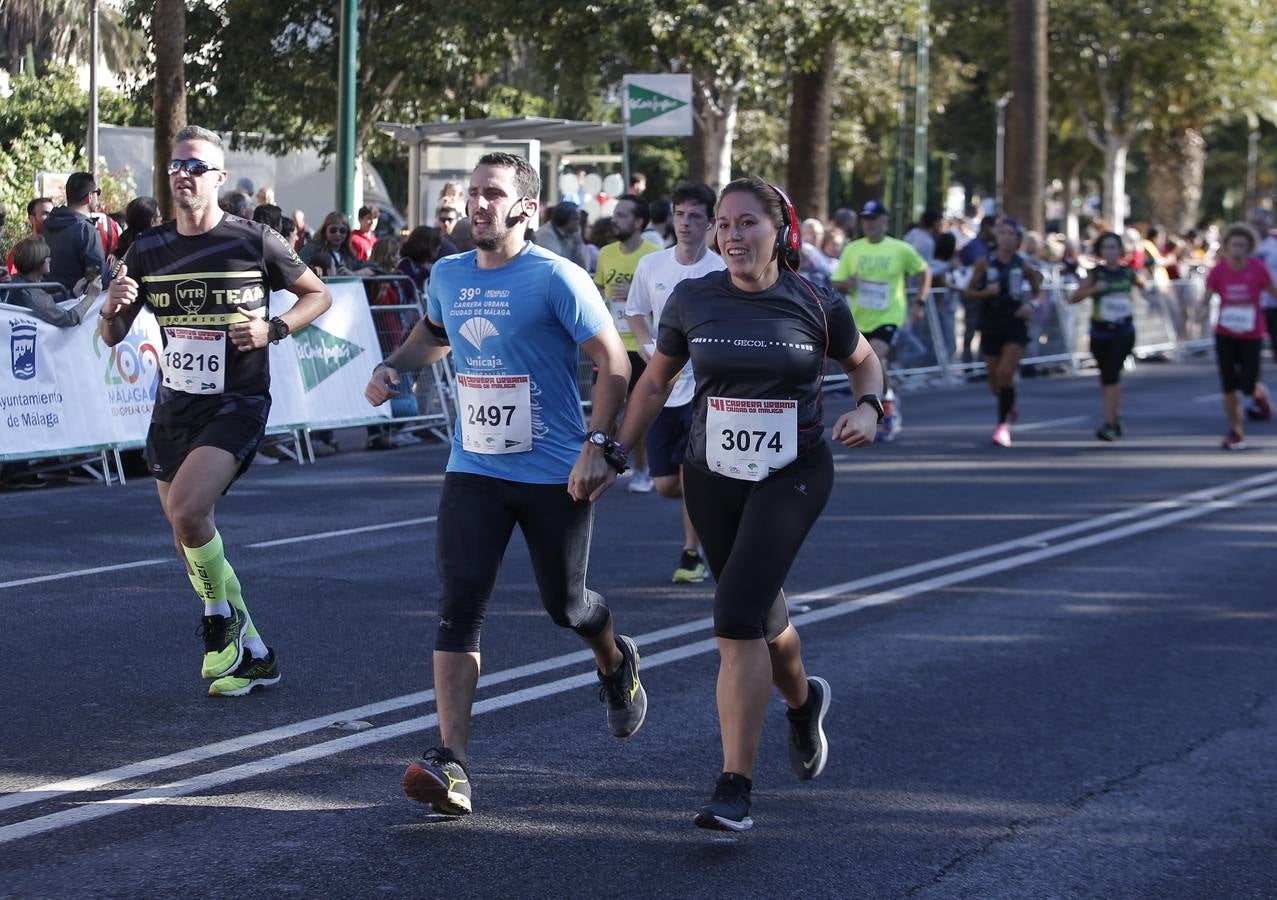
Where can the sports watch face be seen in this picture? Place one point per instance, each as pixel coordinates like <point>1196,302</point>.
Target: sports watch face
<point>597,437</point>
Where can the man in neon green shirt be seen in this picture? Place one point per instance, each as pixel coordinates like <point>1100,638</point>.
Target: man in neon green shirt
<point>872,270</point>
<point>617,262</point>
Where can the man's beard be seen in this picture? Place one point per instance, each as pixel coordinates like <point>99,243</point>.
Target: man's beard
<point>493,237</point>
<point>191,202</point>
<point>624,236</point>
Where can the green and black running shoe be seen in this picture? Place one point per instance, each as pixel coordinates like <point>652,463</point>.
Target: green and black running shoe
<point>440,780</point>
<point>691,568</point>
<point>223,644</point>
<point>252,673</point>
<point>623,693</point>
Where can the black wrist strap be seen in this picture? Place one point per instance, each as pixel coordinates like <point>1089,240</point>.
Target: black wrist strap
<point>278,330</point>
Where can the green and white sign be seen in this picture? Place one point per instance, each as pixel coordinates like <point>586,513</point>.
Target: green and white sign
<point>320,354</point>
<point>658,105</point>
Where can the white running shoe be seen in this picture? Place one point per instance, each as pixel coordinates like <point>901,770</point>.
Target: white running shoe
<point>1002,435</point>
<point>640,483</point>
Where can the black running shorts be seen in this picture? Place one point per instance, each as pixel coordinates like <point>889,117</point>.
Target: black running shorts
<point>1238,360</point>
<point>751,533</point>
<point>666,441</point>
<point>1110,349</point>
<point>884,333</point>
<point>996,335</point>
<point>167,445</point>
<point>477,515</point>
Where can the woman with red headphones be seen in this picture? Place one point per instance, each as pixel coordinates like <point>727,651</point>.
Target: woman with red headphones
<point>758,472</point>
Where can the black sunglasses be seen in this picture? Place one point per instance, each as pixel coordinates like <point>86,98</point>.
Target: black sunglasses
<point>195,167</point>
<point>337,229</point>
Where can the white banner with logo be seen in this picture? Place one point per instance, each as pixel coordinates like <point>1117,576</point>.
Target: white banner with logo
<point>63,391</point>
<point>658,105</point>
<point>318,376</point>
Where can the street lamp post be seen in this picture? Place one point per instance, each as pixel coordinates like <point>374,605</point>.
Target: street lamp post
<point>91,143</point>
<point>1000,150</point>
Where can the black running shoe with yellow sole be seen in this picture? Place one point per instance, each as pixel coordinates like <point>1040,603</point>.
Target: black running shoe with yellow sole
<point>439,780</point>
<point>223,644</point>
<point>728,809</point>
<point>623,693</point>
<point>691,568</point>
<point>251,674</point>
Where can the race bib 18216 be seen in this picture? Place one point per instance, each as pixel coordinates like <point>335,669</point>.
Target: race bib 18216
<point>495,413</point>
<point>195,360</point>
<point>750,439</point>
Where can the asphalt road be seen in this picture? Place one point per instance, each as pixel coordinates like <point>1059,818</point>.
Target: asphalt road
<point>1053,673</point>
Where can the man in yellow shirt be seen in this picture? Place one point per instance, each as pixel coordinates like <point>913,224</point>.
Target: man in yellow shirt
<point>617,262</point>
<point>872,271</point>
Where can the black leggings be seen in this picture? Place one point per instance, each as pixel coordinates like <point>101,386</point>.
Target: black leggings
<point>751,532</point>
<point>1238,360</point>
<point>477,515</point>
<point>1110,349</point>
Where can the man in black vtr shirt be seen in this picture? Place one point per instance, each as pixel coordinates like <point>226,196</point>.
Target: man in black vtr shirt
<point>207,277</point>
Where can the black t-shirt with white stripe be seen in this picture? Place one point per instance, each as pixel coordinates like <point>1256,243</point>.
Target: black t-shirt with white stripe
<point>207,282</point>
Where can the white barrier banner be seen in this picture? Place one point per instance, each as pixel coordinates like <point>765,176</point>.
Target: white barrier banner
<point>318,376</point>
<point>63,389</point>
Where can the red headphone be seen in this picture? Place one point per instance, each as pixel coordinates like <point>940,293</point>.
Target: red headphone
<point>789,240</point>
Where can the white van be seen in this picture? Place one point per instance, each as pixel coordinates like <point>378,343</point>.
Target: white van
<point>301,179</point>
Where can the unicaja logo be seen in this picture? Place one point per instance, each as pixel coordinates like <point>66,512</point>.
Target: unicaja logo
<point>22,348</point>
<point>476,329</point>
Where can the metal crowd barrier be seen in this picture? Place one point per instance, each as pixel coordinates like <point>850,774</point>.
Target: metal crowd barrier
<point>427,397</point>
<point>1169,321</point>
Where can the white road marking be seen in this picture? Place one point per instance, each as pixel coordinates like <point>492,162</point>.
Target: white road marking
<point>197,784</point>
<point>142,768</point>
<point>1048,423</point>
<point>139,563</point>
<point>39,579</point>
<point>323,535</point>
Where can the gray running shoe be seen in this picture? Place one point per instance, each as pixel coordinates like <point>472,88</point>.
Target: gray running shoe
<point>623,693</point>
<point>440,780</point>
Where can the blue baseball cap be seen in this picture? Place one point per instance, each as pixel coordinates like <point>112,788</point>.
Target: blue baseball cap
<point>872,210</point>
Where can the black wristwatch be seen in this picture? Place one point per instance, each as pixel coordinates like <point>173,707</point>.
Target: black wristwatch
<point>872,400</point>
<point>614,452</point>
<point>278,330</point>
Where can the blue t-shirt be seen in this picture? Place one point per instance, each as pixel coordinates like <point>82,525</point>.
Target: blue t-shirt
<point>526,318</point>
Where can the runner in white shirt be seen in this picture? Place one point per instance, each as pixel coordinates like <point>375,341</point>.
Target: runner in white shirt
<point>654,281</point>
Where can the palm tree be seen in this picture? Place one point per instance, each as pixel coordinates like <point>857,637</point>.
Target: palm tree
<point>38,32</point>
<point>169,24</point>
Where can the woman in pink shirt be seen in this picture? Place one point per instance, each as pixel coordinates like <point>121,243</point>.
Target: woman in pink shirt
<point>1239,279</point>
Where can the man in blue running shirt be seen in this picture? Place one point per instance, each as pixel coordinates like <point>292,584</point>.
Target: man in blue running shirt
<point>516,317</point>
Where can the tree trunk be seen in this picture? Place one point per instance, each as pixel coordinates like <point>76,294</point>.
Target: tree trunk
<point>1176,170</point>
<point>809,125</point>
<point>169,23</point>
<point>1027,114</point>
<point>1113,209</point>
<point>1072,187</point>
<point>710,153</point>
